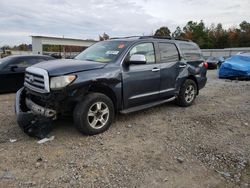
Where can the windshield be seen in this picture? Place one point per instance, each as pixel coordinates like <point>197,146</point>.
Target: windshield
<point>104,52</point>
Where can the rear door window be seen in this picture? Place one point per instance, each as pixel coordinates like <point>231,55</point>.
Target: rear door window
<point>190,51</point>
<point>168,52</point>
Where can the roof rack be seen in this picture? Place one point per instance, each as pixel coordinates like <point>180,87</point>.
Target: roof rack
<point>155,37</point>
<point>126,37</point>
<point>164,37</point>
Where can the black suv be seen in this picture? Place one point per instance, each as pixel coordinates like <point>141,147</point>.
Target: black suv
<point>118,75</point>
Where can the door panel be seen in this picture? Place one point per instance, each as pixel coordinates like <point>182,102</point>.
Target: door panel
<point>141,83</point>
<point>11,81</point>
<point>169,73</point>
<point>169,64</point>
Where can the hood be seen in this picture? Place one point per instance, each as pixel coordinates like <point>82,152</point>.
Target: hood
<point>67,66</point>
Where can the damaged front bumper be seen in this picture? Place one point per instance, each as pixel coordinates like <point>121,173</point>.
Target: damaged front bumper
<point>24,104</point>
<point>39,110</point>
<point>32,118</point>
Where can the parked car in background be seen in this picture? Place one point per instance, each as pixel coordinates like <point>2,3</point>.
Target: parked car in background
<point>70,56</point>
<point>220,61</point>
<point>236,67</point>
<point>56,55</point>
<point>212,62</point>
<point>12,70</point>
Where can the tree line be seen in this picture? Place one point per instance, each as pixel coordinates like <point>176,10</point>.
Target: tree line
<point>211,37</point>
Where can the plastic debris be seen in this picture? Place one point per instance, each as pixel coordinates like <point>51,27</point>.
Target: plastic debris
<point>42,141</point>
<point>13,140</point>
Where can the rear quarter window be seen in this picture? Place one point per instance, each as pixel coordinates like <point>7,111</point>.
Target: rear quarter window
<point>168,52</point>
<point>190,51</point>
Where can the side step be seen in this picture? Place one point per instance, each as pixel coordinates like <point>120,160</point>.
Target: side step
<point>142,107</point>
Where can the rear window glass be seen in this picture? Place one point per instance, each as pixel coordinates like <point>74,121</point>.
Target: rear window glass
<point>190,51</point>
<point>168,52</point>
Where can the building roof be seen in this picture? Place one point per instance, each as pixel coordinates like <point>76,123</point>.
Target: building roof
<point>49,37</point>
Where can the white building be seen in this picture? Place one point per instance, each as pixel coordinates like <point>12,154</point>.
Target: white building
<point>39,41</point>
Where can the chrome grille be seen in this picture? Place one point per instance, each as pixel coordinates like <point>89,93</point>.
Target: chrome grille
<point>37,79</point>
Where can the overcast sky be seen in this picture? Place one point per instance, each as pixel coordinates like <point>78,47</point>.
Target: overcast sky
<point>86,19</point>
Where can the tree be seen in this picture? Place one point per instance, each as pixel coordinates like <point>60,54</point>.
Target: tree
<point>244,34</point>
<point>220,37</point>
<point>196,32</point>
<point>163,32</point>
<point>178,33</point>
<point>23,47</point>
<point>233,37</point>
<point>244,26</point>
<point>103,37</point>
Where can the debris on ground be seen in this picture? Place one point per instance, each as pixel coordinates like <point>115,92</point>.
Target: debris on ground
<point>42,141</point>
<point>180,159</point>
<point>13,140</point>
<point>225,174</point>
<point>7,175</point>
<point>129,126</point>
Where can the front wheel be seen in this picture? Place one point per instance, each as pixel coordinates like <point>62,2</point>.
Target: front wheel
<point>95,114</point>
<point>187,93</point>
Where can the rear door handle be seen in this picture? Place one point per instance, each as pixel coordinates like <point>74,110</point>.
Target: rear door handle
<point>155,69</point>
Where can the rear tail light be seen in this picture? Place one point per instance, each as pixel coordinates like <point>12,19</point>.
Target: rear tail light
<point>205,64</point>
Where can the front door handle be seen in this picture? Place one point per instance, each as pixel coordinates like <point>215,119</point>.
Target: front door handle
<point>155,69</point>
<point>182,65</point>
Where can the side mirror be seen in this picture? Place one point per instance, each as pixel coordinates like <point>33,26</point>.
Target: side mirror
<point>137,59</point>
<point>13,67</point>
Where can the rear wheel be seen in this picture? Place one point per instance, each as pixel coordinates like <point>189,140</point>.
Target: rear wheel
<point>187,93</point>
<point>95,114</point>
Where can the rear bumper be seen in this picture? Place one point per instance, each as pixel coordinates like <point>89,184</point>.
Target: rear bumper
<point>201,82</point>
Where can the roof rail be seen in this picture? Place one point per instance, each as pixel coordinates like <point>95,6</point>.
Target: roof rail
<point>164,37</point>
<point>155,37</point>
<point>125,37</point>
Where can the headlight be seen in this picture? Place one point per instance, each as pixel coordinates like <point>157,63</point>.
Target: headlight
<point>61,81</point>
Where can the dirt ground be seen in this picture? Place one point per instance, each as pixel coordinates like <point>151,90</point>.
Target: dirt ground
<point>205,145</point>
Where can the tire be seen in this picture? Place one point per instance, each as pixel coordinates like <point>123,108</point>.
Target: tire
<point>94,114</point>
<point>187,93</point>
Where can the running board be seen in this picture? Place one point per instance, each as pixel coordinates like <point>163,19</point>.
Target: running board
<point>145,106</point>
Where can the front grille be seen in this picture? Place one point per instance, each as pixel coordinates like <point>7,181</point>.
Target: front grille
<point>37,79</point>
<point>34,80</point>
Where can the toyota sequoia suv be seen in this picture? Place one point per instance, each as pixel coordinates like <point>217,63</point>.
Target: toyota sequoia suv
<point>120,75</point>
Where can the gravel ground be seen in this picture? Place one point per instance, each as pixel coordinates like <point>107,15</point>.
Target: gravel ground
<point>205,145</point>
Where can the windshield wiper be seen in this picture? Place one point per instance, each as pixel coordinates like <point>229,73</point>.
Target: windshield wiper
<point>89,59</point>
